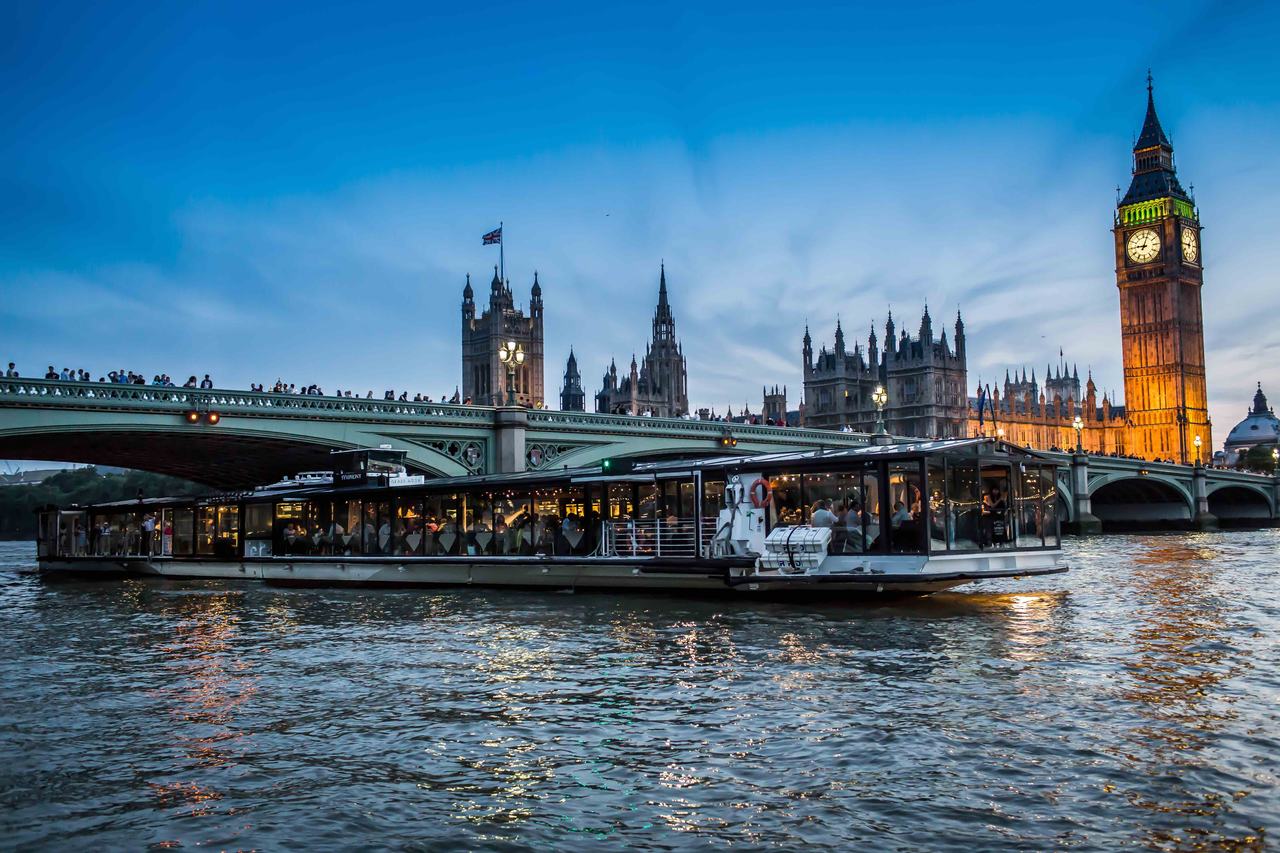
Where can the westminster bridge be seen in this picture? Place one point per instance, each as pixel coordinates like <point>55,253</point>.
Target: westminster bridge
<point>234,439</point>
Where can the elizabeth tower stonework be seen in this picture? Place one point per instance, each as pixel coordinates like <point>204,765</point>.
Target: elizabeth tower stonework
<point>1159,275</point>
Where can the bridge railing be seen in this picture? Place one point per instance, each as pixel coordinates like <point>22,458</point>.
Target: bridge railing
<point>50,392</point>
<point>112,395</point>
<point>550,418</point>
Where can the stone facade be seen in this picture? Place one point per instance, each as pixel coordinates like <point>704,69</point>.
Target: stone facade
<point>1024,412</point>
<point>484,376</point>
<point>925,378</point>
<point>659,384</point>
<point>1158,260</point>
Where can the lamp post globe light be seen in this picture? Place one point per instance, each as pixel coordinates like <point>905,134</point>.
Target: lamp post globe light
<point>1078,426</point>
<point>1000,433</point>
<point>1196,442</point>
<point>512,355</point>
<point>880,397</point>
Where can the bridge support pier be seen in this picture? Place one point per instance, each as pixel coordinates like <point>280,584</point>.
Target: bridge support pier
<point>1085,523</point>
<point>509,425</point>
<point>1204,520</point>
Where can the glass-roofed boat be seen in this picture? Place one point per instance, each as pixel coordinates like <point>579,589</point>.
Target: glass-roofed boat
<point>906,518</point>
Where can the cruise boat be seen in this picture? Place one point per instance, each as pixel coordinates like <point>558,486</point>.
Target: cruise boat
<point>907,518</point>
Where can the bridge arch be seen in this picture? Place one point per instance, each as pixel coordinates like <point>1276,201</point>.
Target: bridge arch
<point>225,457</point>
<point>1120,500</point>
<point>1240,503</point>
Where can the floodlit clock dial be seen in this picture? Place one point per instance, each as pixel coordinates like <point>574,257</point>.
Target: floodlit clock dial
<point>1143,246</point>
<point>1190,249</point>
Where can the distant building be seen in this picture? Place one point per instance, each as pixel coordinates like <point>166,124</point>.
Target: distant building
<point>484,376</point>
<point>1260,428</point>
<point>924,377</point>
<point>572,397</point>
<point>1023,412</point>
<point>774,409</point>
<point>658,385</point>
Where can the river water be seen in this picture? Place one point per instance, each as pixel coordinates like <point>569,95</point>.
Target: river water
<point>1133,702</point>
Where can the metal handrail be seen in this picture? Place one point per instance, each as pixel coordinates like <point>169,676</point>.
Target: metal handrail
<point>649,537</point>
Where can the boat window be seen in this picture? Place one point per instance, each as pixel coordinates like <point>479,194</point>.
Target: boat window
<point>183,538</point>
<point>621,501</point>
<point>647,501</point>
<point>834,493</point>
<point>46,535</point>
<point>1028,519</point>
<point>964,507</point>
<point>1049,488</point>
<point>342,535</point>
<point>257,521</point>
<point>442,517</point>
<point>712,498</point>
<point>574,535</point>
<point>937,490</point>
<point>294,528</point>
<point>377,528</point>
<point>688,495</point>
<point>478,515</point>
<point>996,529</point>
<point>513,523</point>
<point>785,507</point>
<point>867,511</point>
<point>408,530</point>
<point>906,531</point>
<point>257,530</point>
<point>218,531</point>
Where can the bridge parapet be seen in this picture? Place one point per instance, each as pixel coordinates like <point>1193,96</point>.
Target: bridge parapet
<point>50,393</point>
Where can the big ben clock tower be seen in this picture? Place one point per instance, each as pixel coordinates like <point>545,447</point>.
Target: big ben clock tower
<point>1159,274</point>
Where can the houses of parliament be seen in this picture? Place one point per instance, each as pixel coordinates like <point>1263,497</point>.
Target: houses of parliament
<point>1158,268</point>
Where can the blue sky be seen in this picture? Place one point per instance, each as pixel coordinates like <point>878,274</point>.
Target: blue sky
<point>297,191</point>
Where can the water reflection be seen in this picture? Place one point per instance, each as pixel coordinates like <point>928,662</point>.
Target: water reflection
<point>1130,703</point>
<point>1183,649</point>
<point>210,680</point>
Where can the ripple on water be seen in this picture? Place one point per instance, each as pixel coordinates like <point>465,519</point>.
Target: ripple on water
<point>1131,702</point>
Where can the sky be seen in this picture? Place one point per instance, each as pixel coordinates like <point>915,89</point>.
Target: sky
<point>297,191</point>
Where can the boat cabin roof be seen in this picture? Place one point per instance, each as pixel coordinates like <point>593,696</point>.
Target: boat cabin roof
<point>646,472</point>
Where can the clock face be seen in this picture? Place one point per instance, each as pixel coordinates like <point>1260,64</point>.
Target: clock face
<point>1143,246</point>
<point>1190,247</point>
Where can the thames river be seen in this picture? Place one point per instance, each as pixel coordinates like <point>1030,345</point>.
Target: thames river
<point>1133,702</point>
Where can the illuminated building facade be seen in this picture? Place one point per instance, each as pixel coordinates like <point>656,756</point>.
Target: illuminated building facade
<point>484,376</point>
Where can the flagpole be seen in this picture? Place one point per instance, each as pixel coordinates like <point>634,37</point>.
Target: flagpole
<point>502,263</point>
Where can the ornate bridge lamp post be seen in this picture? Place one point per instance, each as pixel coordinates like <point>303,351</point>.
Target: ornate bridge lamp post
<point>512,355</point>
<point>880,397</point>
<point>1078,426</point>
<point>1196,442</point>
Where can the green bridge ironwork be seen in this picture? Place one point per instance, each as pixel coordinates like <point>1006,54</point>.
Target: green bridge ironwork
<point>262,435</point>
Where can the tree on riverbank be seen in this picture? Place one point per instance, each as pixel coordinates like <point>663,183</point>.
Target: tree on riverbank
<point>80,486</point>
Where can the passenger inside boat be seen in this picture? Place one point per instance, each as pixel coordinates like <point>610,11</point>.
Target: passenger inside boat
<point>962,497</point>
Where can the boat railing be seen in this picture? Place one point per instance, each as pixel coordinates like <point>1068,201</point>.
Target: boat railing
<point>650,537</point>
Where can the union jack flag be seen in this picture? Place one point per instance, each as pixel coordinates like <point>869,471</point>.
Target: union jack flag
<point>494,236</point>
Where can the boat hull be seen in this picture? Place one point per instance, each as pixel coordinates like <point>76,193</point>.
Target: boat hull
<point>594,573</point>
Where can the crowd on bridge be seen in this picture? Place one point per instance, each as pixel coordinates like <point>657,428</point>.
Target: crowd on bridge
<point>163,380</point>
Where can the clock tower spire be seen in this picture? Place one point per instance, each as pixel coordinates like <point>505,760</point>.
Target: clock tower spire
<point>1159,276</point>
